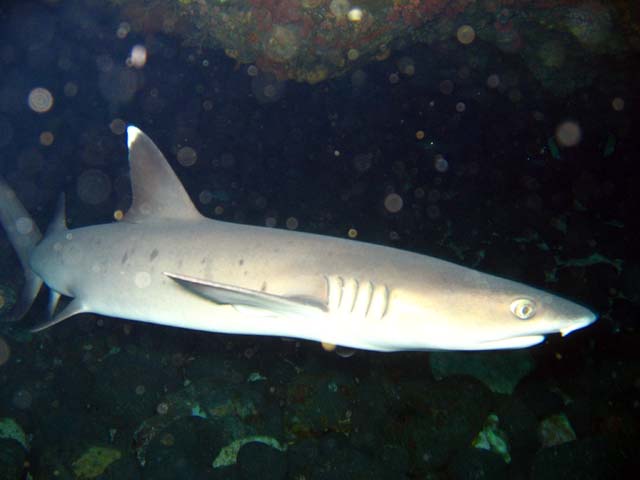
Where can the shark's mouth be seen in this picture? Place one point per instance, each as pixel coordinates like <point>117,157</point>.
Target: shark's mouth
<point>578,325</point>
<point>534,339</point>
<point>511,342</point>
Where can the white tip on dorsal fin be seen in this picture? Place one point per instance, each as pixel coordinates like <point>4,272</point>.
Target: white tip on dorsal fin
<point>157,193</point>
<point>132,133</point>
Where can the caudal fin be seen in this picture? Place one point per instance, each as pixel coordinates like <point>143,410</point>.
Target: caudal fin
<point>24,235</point>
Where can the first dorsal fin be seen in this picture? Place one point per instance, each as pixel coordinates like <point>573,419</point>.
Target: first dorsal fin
<point>157,193</point>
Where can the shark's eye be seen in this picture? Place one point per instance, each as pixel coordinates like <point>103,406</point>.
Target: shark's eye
<point>523,308</point>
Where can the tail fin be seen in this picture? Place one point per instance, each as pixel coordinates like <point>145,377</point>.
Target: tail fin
<point>24,235</point>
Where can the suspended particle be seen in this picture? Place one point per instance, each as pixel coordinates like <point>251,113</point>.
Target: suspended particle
<point>466,34</point>
<point>252,70</point>
<point>515,95</point>
<point>568,133</point>
<point>93,186</point>
<point>394,78</point>
<point>138,57</point>
<point>464,72</point>
<point>393,203</point>
<point>433,212</point>
<point>493,81</point>
<point>363,161</point>
<point>328,347</point>
<point>46,139</point>
<point>420,134</point>
<point>219,210</point>
<point>352,233</point>
<point>292,223</point>
<point>406,66</point>
<point>187,156</point>
<point>40,100</point>
<point>70,89</point>
<point>118,215</point>
<point>117,126</point>
<point>440,163</point>
<point>446,87</point>
<point>168,440</point>
<point>434,196</point>
<point>355,15</point>
<point>358,78</point>
<point>353,54</point>
<point>617,104</point>
<point>270,222</point>
<point>123,30</point>
<point>260,202</point>
<point>162,408</point>
<point>205,197</point>
<point>24,226</point>
<point>22,399</point>
<point>460,107</point>
<point>270,91</point>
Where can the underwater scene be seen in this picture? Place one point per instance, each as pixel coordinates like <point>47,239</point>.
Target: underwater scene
<point>319,239</point>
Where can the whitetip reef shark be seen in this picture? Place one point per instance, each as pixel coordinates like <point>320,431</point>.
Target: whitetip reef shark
<point>167,264</point>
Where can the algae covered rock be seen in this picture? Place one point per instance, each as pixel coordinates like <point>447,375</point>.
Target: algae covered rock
<point>317,403</point>
<point>95,461</point>
<point>434,422</point>
<point>500,371</point>
<point>184,449</point>
<point>12,458</point>
<point>332,456</point>
<point>7,299</point>
<point>259,459</point>
<point>474,463</point>
<point>11,430</point>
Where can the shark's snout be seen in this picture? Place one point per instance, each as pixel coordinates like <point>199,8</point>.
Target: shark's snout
<point>585,320</point>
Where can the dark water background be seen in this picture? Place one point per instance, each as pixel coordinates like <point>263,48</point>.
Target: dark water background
<point>326,155</point>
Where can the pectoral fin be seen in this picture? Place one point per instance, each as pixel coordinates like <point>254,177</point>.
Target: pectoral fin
<point>73,308</point>
<point>243,297</point>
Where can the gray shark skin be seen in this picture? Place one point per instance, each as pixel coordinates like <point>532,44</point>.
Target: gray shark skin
<point>167,264</point>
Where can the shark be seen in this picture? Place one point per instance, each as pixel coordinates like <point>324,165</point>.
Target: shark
<point>165,263</point>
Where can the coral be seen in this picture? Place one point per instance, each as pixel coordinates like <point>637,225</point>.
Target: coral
<point>282,44</point>
<point>94,462</point>
<point>589,23</point>
<point>492,438</point>
<point>555,430</point>
<point>9,428</point>
<point>310,40</point>
<point>228,455</point>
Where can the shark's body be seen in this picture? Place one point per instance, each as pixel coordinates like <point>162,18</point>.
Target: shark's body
<point>167,264</point>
